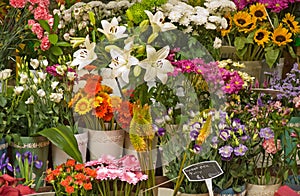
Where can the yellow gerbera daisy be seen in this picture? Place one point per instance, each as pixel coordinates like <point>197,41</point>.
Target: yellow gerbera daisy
<point>242,19</point>
<point>258,11</point>
<point>83,106</point>
<point>292,24</point>
<point>261,37</point>
<point>281,36</point>
<point>225,32</point>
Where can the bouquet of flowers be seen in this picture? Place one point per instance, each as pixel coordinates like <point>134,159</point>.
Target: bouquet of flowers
<point>257,35</point>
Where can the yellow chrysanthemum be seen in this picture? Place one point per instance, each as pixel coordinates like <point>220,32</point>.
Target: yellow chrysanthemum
<point>281,36</point>
<point>225,32</point>
<point>82,106</point>
<point>242,19</point>
<point>258,11</point>
<point>292,24</point>
<point>261,37</point>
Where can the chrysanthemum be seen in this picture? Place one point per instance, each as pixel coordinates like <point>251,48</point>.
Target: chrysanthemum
<point>225,32</point>
<point>82,106</point>
<point>242,19</point>
<point>258,11</point>
<point>281,36</point>
<point>261,37</point>
<point>292,24</point>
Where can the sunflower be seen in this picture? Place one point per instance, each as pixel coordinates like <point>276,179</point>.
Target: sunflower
<point>261,37</point>
<point>281,36</point>
<point>258,11</point>
<point>82,106</point>
<point>250,26</point>
<point>292,24</point>
<point>242,19</point>
<point>225,32</point>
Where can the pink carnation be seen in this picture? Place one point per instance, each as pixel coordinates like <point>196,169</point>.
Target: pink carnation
<point>18,3</point>
<point>270,147</point>
<point>33,2</point>
<point>41,13</point>
<point>38,30</point>
<point>45,45</point>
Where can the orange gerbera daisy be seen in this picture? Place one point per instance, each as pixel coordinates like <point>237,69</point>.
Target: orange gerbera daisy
<point>101,110</point>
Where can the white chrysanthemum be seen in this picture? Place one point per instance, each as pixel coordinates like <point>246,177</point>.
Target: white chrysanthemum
<point>224,23</point>
<point>201,11</point>
<point>175,16</point>
<point>184,21</point>
<point>215,19</point>
<point>30,100</point>
<point>18,90</point>
<point>189,29</point>
<point>199,19</point>
<point>41,93</point>
<point>217,43</point>
<point>210,26</point>
<point>34,63</point>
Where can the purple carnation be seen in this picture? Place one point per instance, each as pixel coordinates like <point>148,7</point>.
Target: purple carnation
<point>266,133</point>
<point>240,150</point>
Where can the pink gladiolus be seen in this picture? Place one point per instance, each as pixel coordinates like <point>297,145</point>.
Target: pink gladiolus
<point>270,147</point>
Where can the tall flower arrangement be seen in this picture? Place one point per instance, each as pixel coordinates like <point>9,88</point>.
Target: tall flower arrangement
<point>257,34</point>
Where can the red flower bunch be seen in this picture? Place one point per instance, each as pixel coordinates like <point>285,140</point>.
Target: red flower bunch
<point>10,186</point>
<point>71,178</point>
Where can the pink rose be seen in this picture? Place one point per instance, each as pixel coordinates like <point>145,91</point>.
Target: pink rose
<point>17,3</point>
<point>270,147</point>
<point>45,45</point>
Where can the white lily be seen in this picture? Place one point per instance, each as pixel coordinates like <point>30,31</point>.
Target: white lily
<point>112,30</point>
<point>158,22</point>
<point>83,57</point>
<point>121,63</point>
<point>156,64</point>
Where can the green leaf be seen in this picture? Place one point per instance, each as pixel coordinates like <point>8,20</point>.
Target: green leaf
<point>44,24</point>
<point>57,51</point>
<point>2,101</point>
<point>271,56</point>
<point>64,44</point>
<point>53,38</point>
<point>239,43</point>
<point>63,137</point>
<point>291,51</point>
<point>56,22</point>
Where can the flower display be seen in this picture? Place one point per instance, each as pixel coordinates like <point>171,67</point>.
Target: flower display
<point>73,178</point>
<point>258,35</point>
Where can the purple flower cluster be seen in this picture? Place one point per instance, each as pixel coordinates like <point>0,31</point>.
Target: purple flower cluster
<point>274,5</point>
<point>266,133</point>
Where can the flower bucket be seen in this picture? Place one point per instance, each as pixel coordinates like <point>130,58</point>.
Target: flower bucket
<point>59,156</point>
<point>259,190</point>
<point>291,182</point>
<point>230,192</point>
<point>105,143</point>
<point>253,68</point>
<point>294,122</point>
<point>37,146</point>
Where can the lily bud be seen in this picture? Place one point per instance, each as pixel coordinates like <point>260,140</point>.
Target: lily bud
<point>152,37</point>
<point>144,25</point>
<point>137,71</point>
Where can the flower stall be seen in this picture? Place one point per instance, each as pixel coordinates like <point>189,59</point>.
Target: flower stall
<point>109,97</point>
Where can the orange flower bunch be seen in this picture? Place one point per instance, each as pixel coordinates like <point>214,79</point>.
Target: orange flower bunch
<point>71,178</point>
<point>93,104</point>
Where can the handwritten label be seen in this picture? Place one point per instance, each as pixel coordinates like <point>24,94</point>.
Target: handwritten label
<point>202,171</point>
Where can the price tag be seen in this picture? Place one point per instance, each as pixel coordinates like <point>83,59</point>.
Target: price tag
<point>203,171</point>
